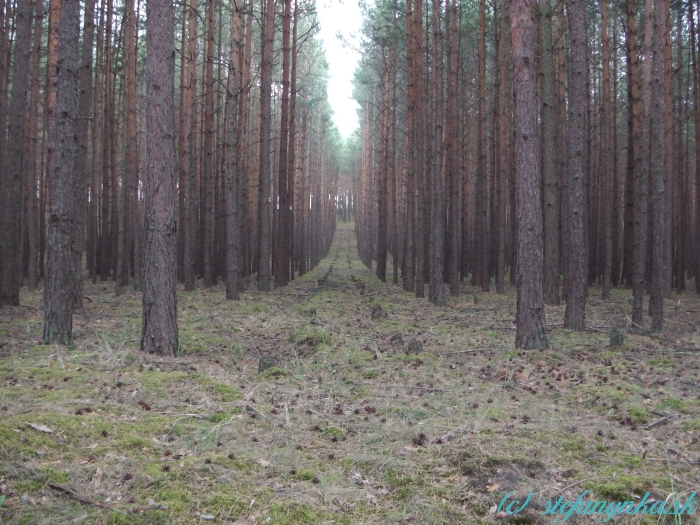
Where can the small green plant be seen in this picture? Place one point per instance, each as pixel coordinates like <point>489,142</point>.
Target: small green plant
<point>370,374</point>
<point>638,415</point>
<point>274,372</point>
<point>334,432</point>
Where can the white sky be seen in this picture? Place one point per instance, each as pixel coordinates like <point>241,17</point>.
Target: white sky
<point>344,17</point>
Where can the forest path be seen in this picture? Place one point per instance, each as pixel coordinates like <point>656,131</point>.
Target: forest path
<point>427,415</point>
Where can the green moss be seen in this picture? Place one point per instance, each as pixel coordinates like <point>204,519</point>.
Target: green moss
<point>305,475</point>
<point>334,432</point>
<point>230,392</point>
<point>638,414</point>
<point>274,371</point>
<point>674,404</point>
<point>617,487</point>
<point>363,391</point>
<point>660,362</point>
<point>292,513</point>
<point>52,474</point>
<point>370,374</point>
<point>691,424</point>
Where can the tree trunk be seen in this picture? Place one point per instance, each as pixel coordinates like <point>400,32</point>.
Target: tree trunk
<point>282,245</point>
<point>530,308</point>
<point>265,173</point>
<point>160,332</point>
<point>437,209</point>
<point>607,174</point>
<point>64,182</point>
<point>575,212</point>
<point>11,182</point>
<point>658,156</point>
<point>233,174</point>
<point>549,158</point>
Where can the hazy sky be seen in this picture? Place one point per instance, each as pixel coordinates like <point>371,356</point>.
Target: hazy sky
<point>344,17</point>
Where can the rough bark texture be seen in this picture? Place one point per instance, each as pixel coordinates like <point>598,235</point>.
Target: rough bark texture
<point>160,332</point>
<point>530,307</point>
<point>658,155</point>
<point>282,244</point>
<point>11,182</point>
<point>549,159</point>
<point>265,173</point>
<point>436,291</point>
<point>575,207</point>
<point>64,182</point>
<point>233,175</point>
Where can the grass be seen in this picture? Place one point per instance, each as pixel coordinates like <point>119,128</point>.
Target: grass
<point>346,428</point>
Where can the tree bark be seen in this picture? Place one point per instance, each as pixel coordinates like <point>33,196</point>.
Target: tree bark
<point>549,158</point>
<point>575,212</point>
<point>530,306</point>
<point>11,195</point>
<point>64,182</point>
<point>265,173</point>
<point>160,332</point>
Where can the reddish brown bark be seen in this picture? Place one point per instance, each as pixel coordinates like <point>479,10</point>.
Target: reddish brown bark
<point>530,307</point>
<point>160,332</point>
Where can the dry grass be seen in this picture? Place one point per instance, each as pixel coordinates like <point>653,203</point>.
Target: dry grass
<point>348,428</point>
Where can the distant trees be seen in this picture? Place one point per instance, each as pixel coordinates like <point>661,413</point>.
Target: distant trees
<point>618,141</point>
<point>91,166</point>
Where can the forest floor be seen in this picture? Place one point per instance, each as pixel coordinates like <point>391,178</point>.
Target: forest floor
<point>354,423</point>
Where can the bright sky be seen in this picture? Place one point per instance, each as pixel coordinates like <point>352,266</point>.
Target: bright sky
<point>341,17</point>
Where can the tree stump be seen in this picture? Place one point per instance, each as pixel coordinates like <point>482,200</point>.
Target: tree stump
<point>378,312</point>
<point>414,347</point>
<point>268,361</point>
<point>616,337</point>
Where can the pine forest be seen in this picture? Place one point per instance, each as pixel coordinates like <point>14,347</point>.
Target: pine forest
<point>463,287</point>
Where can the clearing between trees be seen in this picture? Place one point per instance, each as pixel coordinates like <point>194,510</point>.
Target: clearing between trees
<point>373,407</point>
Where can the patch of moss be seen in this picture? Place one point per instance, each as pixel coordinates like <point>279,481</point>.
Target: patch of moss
<point>370,374</point>
<point>660,362</point>
<point>52,474</point>
<point>274,371</point>
<point>617,488</point>
<point>638,414</point>
<point>334,432</point>
<point>674,404</point>
<point>691,424</point>
<point>293,513</point>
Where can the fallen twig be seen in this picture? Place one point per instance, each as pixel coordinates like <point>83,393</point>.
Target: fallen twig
<point>657,422</point>
<point>574,484</point>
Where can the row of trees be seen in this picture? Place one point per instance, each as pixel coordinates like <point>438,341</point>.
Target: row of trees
<point>531,139</point>
<point>207,152</point>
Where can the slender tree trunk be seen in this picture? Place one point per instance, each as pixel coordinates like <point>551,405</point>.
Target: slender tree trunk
<point>282,245</point>
<point>658,156</point>
<point>208,166</point>
<point>409,275</point>
<point>483,275</point>
<point>64,182</point>
<point>160,332</point>
<point>437,209</point>
<point>530,306</point>
<point>607,173</point>
<point>33,168</point>
<point>421,174</point>
<point>576,242</point>
<point>11,181</point>
<point>549,158</point>
<point>233,174</point>
<point>641,185</point>
<point>265,173</point>
<point>696,132</point>
<point>291,154</point>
